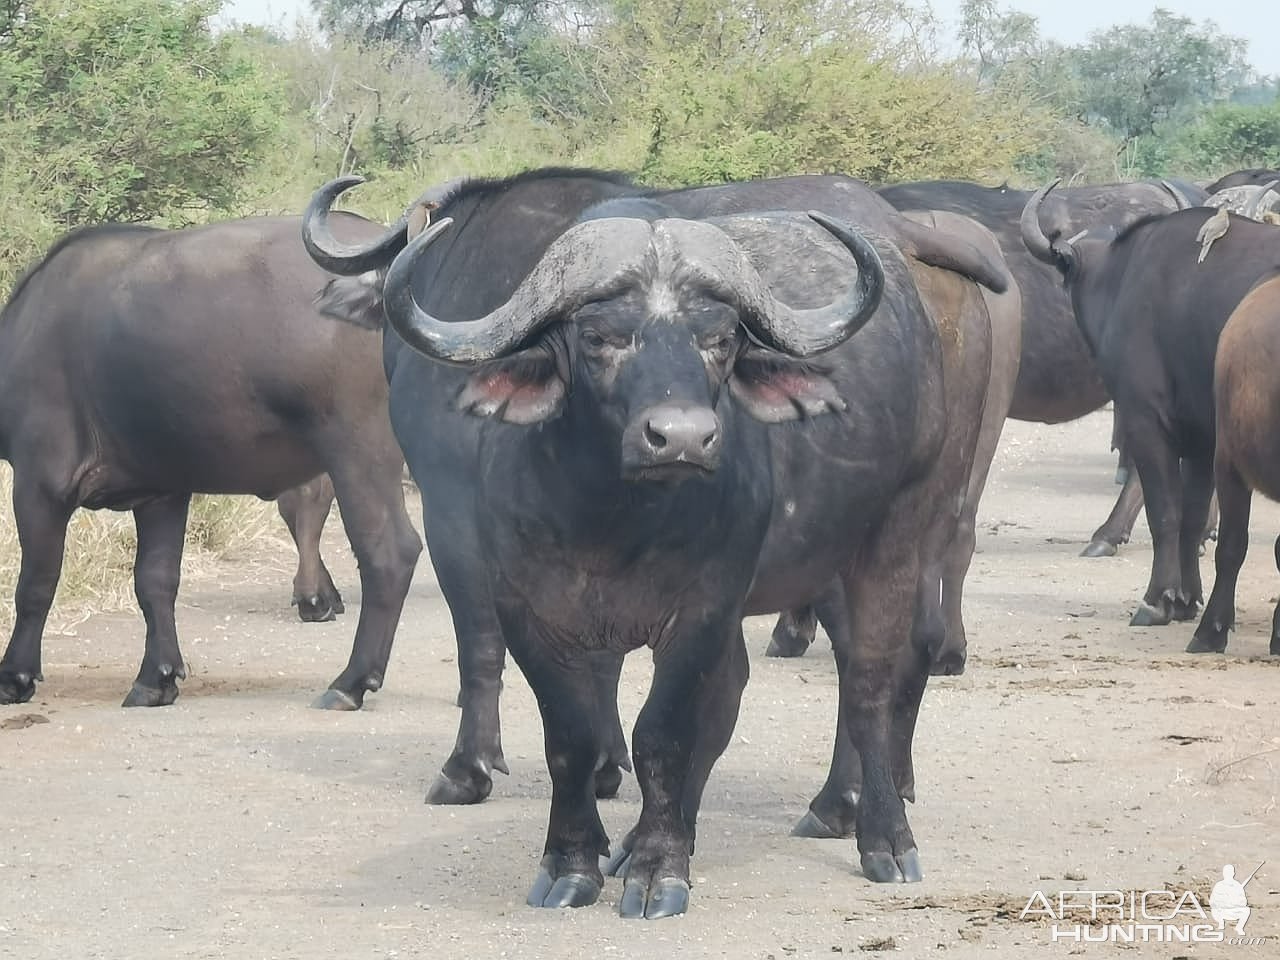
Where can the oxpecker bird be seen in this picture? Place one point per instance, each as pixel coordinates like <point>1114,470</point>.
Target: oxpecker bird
<point>1211,230</point>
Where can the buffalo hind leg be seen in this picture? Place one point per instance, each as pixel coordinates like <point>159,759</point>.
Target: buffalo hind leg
<point>1234,504</point>
<point>1118,526</point>
<point>304,510</point>
<point>371,502</point>
<point>1275,619</point>
<point>453,547</point>
<point>1160,473</point>
<point>157,570</point>
<point>42,531</point>
<point>832,814</point>
<point>1197,492</point>
<point>794,632</point>
<point>606,669</point>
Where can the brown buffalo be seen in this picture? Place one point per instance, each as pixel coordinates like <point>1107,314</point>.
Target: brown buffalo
<point>139,366</point>
<point>1247,451</point>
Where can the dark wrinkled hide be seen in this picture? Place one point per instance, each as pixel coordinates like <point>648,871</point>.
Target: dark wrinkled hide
<point>1153,316</point>
<point>1256,176</point>
<point>139,366</point>
<point>538,540</point>
<point>1247,456</point>
<point>1058,378</point>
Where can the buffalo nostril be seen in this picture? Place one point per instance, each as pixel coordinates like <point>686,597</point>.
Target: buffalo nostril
<point>710,439</point>
<point>655,438</point>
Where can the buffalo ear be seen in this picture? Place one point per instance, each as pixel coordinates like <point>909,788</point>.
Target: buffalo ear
<point>354,300</point>
<point>773,388</point>
<point>525,388</point>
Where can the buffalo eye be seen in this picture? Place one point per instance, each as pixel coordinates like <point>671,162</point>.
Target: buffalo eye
<point>593,341</point>
<point>720,347</point>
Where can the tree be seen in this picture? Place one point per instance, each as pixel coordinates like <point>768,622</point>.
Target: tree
<point>1232,137</point>
<point>1134,78</point>
<point>498,47</point>
<point>128,109</point>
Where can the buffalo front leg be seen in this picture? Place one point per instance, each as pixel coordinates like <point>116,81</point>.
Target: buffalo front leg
<point>1234,503</point>
<point>681,731</point>
<point>304,510</point>
<point>386,546</point>
<point>717,715</point>
<point>569,873</point>
<point>42,531</point>
<point>157,569</point>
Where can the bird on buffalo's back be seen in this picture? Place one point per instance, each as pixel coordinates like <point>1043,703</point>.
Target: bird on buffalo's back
<point>1213,228</point>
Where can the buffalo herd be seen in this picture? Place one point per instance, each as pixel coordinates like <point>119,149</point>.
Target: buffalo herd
<point>637,416</point>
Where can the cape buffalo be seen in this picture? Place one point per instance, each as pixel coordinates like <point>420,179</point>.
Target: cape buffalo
<point>1255,176</point>
<point>138,366</point>
<point>1247,452</point>
<point>645,429</point>
<point>1152,316</point>
<point>1058,378</point>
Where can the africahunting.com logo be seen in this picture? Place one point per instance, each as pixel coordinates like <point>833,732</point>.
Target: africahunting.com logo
<point>1148,916</point>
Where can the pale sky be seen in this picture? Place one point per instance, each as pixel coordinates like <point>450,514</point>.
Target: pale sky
<point>1258,21</point>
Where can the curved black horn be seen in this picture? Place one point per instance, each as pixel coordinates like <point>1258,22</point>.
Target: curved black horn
<point>1053,252</point>
<point>1256,203</point>
<point>807,332</point>
<point>589,261</point>
<point>331,253</point>
<point>1179,198</point>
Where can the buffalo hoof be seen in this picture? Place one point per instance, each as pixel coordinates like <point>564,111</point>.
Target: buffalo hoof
<point>1275,645</point>
<point>881,867</point>
<point>1148,616</point>
<point>814,827</point>
<point>335,699</point>
<point>1184,610</point>
<point>144,696</point>
<point>446,791</point>
<point>1099,548</point>
<point>665,897</point>
<point>1208,641</point>
<point>791,637</point>
<point>948,663</point>
<point>17,686</point>
<point>608,781</point>
<point>567,890</point>
<point>316,610</point>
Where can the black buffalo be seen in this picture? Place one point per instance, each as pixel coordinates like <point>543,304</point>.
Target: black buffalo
<point>1058,377</point>
<point>1255,176</point>
<point>138,366</point>
<point>1152,315</point>
<point>645,429</point>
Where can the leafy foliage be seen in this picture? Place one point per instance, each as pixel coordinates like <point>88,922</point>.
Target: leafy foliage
<point>127,109</point>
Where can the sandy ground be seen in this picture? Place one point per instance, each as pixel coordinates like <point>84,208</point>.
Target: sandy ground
<point>1076,753</point>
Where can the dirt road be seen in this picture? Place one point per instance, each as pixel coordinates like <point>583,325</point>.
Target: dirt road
<point>1075,754</point>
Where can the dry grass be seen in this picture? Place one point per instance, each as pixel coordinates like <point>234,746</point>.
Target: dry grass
<point>97,567</point>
